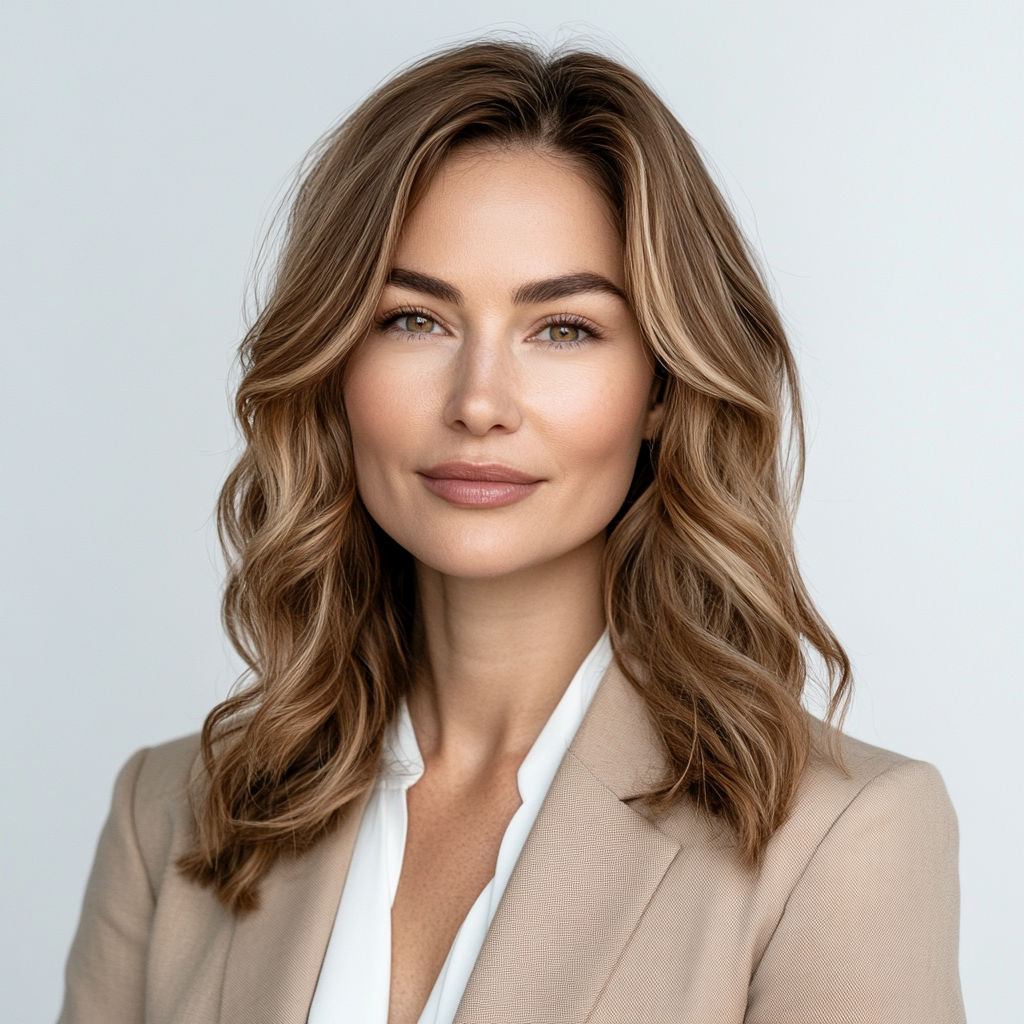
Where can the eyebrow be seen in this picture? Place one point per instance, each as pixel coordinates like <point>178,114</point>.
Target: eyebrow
<point>432,286</point>
<point>536,291</point>
<point>560,287</point>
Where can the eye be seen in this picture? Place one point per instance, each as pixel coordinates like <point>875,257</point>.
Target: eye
<point>562,332</point>
<point>567,332</point>
<point>416,323</point>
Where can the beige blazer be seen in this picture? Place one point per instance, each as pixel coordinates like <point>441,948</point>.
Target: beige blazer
<point>608,917</point>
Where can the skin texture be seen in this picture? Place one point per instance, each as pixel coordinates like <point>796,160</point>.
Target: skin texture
<point>481,366</point>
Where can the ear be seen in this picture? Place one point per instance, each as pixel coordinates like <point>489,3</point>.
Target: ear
<point>655,408</point>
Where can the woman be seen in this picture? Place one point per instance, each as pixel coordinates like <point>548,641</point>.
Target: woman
<point>513,573</point>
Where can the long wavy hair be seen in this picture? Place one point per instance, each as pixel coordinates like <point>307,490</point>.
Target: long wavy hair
<point>709,617</point>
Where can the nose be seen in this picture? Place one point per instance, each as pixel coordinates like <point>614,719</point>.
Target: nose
<point>482,397</point>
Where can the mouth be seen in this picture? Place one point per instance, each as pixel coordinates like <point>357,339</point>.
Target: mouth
<point>479,485</point>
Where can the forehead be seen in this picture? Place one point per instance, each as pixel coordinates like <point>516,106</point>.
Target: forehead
<point>514,214</point>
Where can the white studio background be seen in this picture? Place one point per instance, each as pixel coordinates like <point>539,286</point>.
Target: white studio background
<point>872,149</point>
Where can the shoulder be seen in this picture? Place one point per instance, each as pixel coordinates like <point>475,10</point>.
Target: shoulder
<point>167,768</point>
<point>847,779</point>
<point>844,780</point>
<point>853,797</point>
<point>852,913</point>
<point>872,835</point>
<point>862,884</point>
<point>155,787</point>
<point>160,776</point>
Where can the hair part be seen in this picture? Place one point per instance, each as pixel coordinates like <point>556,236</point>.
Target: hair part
<point>706,607</point>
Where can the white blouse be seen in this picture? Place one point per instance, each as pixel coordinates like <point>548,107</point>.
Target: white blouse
<point>355,980</point>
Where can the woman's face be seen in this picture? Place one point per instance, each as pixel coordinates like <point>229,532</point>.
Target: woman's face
<point>498,404</point>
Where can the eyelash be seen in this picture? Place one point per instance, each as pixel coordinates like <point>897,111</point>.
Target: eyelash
<point>389,321</point>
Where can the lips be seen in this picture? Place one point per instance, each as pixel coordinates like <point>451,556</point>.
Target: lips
<point>479,485</point>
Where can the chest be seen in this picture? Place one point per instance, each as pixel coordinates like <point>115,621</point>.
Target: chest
<point>454,833</point>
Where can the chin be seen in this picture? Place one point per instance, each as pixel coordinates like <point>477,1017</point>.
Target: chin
<point>476,564</point>
<point>488,556</point>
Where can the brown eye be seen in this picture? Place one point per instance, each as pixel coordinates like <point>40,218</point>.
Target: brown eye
<point>416,324</point>
<point>567,333</point>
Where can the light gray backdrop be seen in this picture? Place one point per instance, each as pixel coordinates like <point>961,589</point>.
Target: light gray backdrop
<point>871,149</point>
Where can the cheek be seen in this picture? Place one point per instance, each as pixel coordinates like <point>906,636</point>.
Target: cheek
<point>381,405</point>
<point>368,419</point>
<point>597,424</point>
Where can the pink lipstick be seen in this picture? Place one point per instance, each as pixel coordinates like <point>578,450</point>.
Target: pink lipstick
<point>479,485</point>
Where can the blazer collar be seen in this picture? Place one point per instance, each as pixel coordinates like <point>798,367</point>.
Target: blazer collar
<point>586,874</point>
<point>618,741</point>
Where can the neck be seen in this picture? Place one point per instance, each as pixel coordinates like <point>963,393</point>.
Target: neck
<point>498,654</point>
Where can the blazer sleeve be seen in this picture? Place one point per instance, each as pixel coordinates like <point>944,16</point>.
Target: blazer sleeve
<point>105,974</point>
<point>870,931</point>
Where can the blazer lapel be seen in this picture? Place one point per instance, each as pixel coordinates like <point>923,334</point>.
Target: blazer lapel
<point>587,872</point>
<point>276,952</point>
